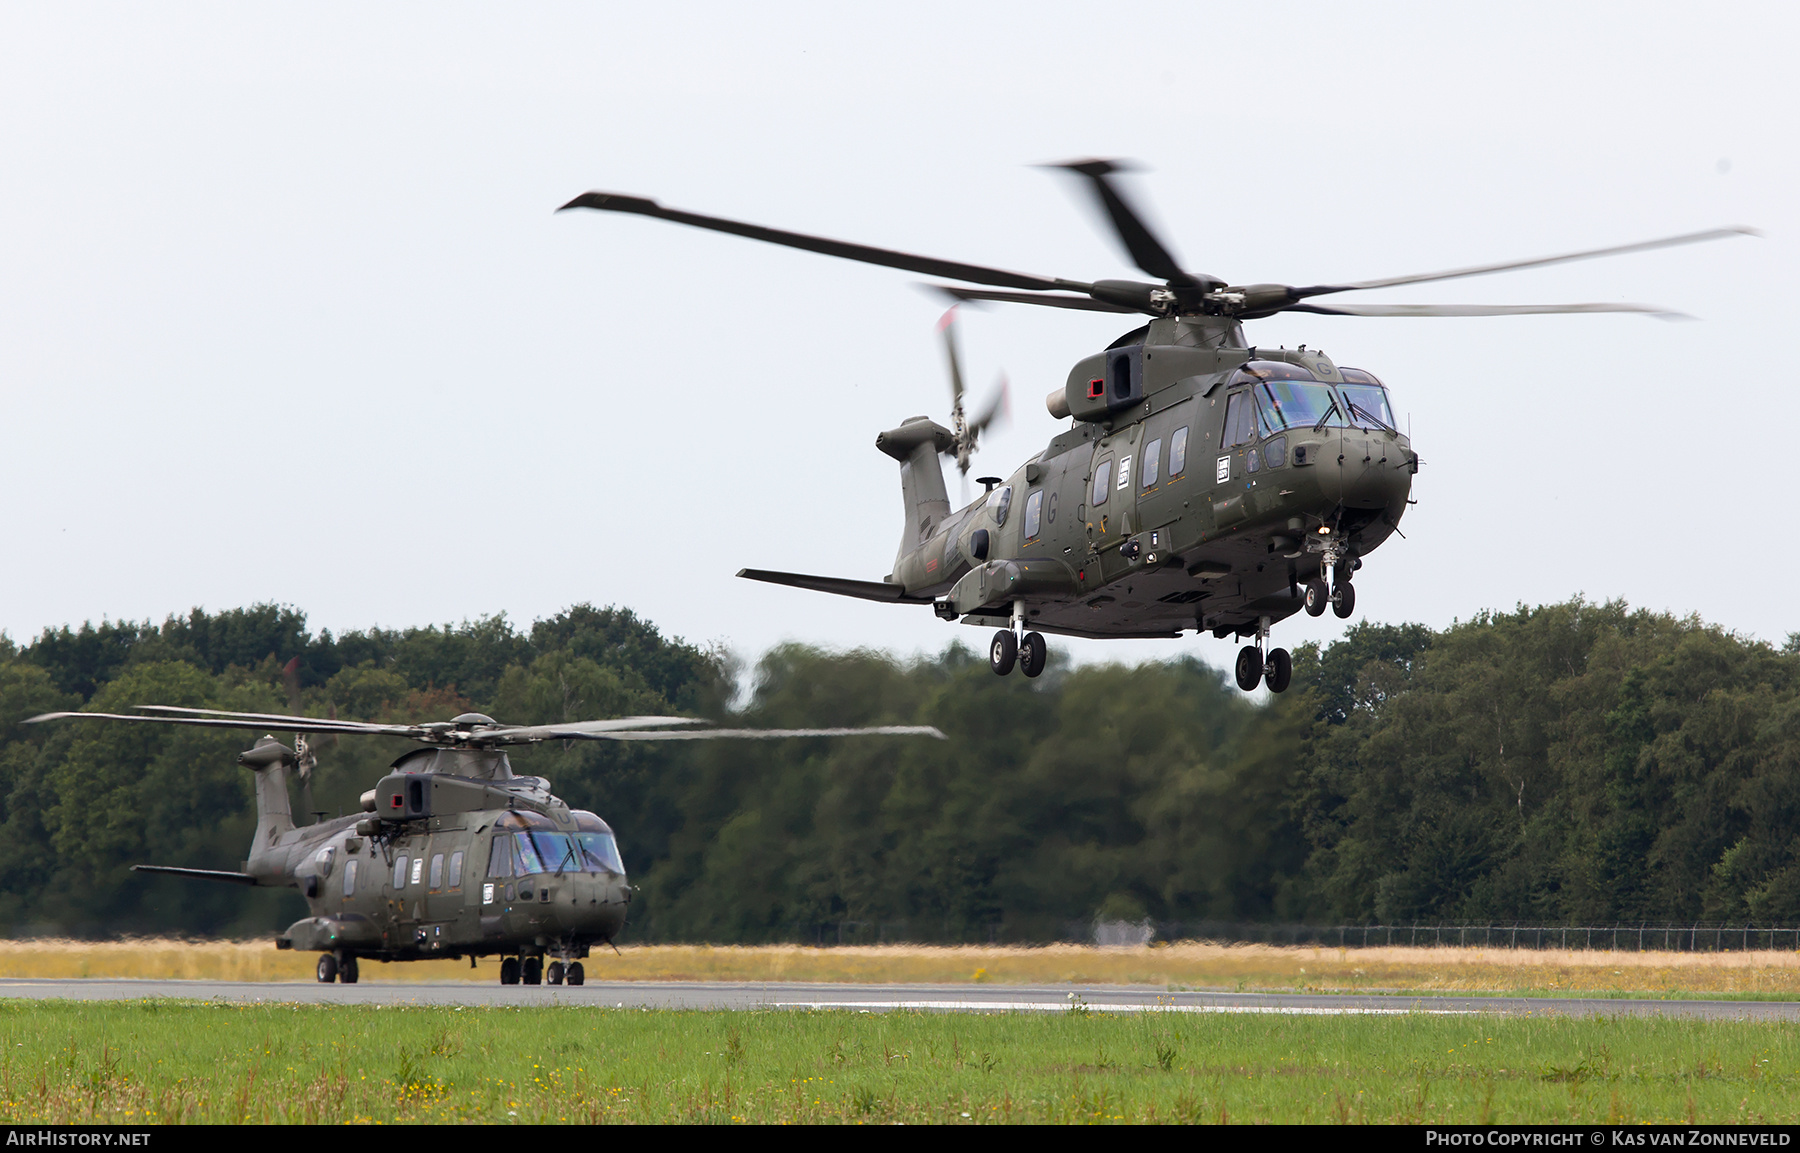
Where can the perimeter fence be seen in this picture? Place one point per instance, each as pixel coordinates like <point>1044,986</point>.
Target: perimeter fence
<point>1685,937</point>
<point>1692,937</point>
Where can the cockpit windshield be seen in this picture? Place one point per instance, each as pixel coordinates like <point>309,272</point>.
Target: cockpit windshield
<point>1288,404</point>
<point>1368,400</point>
<point>540,852</point>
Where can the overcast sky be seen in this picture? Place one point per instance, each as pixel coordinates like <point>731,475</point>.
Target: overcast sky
<point>286,315</point>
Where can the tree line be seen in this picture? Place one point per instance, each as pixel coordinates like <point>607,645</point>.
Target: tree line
<point>1575,763</point>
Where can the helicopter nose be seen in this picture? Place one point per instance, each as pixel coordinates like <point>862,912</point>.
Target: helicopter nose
<point>1373,470</point>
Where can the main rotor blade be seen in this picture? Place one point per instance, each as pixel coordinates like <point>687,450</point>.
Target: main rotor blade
<point>287,724</point>
<point>284,721</point>
<point>773,734</point>
<point>1538,262</point>
<point>1478,309</point>
<point>1084,303</point>
<point>929,266</point>
<point>574,730</point>
<point>1148,252</point>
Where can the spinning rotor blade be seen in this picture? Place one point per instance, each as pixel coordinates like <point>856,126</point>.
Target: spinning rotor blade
<point>926,265</point>
<point>575,730</point>
<point>218,719</point>
<point>1477,309</point>
<point>1147,252</point>
<point>1538,262</point>
<point>773,734</point>
<point>1085,303</point>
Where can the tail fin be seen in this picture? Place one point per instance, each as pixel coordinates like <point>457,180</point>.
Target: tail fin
<point>916,445</point>
<point>270,761</point>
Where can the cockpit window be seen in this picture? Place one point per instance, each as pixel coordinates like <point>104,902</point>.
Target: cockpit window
<point>1368,399</point>
<point>600,853</point>
<point>1288,404</point>
<point>1002,505</point>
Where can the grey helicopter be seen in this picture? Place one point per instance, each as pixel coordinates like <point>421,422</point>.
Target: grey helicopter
<point>453,854</point>
<point>1203,483</point>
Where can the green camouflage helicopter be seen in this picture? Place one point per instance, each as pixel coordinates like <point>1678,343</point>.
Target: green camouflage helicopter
<point>1204,483</point>
<point>453,855</point>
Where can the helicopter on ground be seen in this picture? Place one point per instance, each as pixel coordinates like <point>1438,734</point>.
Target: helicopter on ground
<point>453,855</point>
<point>1204,483</point>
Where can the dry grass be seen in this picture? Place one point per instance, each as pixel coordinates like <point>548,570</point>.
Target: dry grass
<point>1767,973</point>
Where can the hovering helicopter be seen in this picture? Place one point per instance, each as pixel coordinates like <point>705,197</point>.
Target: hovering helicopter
<point>453,855</point>
<point>1204,483</point>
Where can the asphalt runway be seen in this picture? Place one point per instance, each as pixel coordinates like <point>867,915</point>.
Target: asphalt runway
<point>877,998</point>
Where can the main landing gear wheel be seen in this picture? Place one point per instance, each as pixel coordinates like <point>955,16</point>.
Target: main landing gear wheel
<point>1279,670</point>
<point>533,971</point>
<point>577,975</point>
<point>1249,667</point>
<point>347,973</point>
<point>1317,596</point>
<point>509,971</point>
<point>1033,655</point>
<point>327,969</point>
<point>1343,600</point>
<point>1003,652</point>
<point>554,976</point>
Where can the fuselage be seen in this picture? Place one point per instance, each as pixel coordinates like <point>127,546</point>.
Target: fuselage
<point>531,878</point>
<point>1203,497</point>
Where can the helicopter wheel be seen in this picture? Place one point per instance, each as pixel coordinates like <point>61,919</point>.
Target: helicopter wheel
<point>1343,600</point>
<point>327,969</point>
<point>1279,670</point>
<point>554,975</point>
<point>1003,652</point>
<point>1033,656</point>
<point>532,971</point>
<point>509,971</point>
<point>1249,668</point>
<point>347,973</point>
<point>577,975</point>
<point>1317,597</point>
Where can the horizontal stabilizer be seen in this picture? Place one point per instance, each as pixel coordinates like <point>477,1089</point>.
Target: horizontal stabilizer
<point>864,590</point>
<point>200,874</point>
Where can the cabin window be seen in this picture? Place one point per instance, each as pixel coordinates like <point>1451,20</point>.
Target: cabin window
<point>500,862</point>
<point>1178,452</point>
<point>456,860</point>
<point>1034,514</point>
<point>400,871</point>
<point>418,871</point>
<point>1240,420</point>
<point>600,853</point>
<point>350,878</point>
<point>1103,478</point>
<point>1275,452</point>
<point>1152,459</point>
<point>1002,504</point>
<point>437,872</point>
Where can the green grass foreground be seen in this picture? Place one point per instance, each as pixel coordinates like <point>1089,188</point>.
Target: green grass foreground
<point>180,1062</point>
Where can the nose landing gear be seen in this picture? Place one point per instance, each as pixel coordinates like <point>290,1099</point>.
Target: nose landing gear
<point>1336,559</point>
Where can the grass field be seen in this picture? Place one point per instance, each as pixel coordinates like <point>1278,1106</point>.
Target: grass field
<point>170,1062</point>
<point>1773,974</point>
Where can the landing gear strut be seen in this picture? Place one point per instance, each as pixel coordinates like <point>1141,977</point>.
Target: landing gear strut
<point>1014,644</point>
<point>1253,668</point>
<point>1334,558</point>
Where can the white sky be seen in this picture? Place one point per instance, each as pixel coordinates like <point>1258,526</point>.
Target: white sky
<point>285,314</point>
